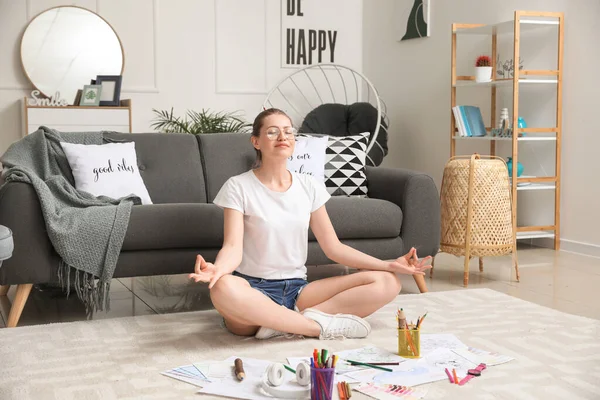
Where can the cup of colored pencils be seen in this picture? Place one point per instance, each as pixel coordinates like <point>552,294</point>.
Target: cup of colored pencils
<point>322,374</point>
<point>409,335</point>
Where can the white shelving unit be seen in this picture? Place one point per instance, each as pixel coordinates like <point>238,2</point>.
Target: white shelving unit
<point>505,82</point>
<point>535,235</point>
<point>508,139</point>
<point>77,118</point>
<point>523,23</point>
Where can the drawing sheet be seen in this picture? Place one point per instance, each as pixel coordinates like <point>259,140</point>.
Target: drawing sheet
<point>251,387</point>
<point>433,341</point>
<point>189,374</point>
<point>479,356</point>
<point>409,373</point>
<point>364,354</point>
<point>229,386</point>
<point>445,358</point>
<point>187,379</point>
<point>204,366</point>
<point>369,354</point>
<point>391,392</point>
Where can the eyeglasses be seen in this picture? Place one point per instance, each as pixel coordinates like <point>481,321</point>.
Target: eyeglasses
<point>274,132</point>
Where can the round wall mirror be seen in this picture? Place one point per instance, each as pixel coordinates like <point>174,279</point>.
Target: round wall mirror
<point>64,48</point>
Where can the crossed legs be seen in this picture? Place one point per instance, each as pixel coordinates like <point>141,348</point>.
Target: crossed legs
<point>245,309</point>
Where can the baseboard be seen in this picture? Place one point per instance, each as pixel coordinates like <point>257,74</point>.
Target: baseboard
<point>572,246</point>
<point>543,242</point>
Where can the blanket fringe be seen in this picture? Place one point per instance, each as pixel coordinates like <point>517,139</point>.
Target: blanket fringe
<point>92,292</point>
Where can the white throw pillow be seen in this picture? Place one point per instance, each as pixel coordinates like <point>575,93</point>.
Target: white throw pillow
<point>106,170</point>
<point>309,157</point>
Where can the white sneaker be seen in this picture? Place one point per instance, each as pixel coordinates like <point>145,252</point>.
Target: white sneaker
<point>267,333</point>
<point>338,325</point>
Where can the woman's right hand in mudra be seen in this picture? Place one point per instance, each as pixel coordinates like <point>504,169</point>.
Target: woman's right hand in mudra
<point>205,272</point>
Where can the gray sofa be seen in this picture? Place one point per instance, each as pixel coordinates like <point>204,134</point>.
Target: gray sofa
<point>183,174</point>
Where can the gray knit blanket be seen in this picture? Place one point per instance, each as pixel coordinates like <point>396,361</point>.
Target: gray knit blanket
<point>86,231</point>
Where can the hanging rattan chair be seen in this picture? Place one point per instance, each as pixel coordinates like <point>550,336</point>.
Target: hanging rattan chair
<point>335,100</point>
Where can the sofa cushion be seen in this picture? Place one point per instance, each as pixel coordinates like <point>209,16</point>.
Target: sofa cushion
<point>169,164</point>
<point>363,218</point>
<point>224,155</point>
<point>188,226</point>
<point>174,226</point>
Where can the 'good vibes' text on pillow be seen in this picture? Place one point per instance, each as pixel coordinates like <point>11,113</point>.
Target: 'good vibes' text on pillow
<point>121,167</point>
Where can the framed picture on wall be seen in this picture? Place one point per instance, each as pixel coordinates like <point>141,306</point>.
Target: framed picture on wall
<point>111,89</point>
<point>412,18</point>
<point>91,95</point>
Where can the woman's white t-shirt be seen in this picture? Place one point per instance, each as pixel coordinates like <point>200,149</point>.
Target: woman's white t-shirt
<point>275,223</point>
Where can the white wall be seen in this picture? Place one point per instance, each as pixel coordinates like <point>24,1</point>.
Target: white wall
<point>414,79</point>
<point>186,54</point>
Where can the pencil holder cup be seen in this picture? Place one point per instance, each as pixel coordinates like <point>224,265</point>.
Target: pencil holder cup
<point>321,383</point>
<point>409,343</point>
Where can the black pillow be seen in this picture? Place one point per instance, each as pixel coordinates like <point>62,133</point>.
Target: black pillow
<point>336,119</point>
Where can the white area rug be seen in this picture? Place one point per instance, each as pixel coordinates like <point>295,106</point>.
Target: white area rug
<point>557,354</point>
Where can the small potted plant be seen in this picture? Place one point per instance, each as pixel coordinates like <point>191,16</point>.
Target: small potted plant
<point>483,69</point>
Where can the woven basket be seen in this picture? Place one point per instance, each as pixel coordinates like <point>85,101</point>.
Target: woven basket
<point>476,207</point>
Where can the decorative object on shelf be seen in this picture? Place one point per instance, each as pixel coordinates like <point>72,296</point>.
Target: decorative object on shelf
<point>476,210</point>
<point>506,69</point>
<point>469,121</point>
<point>204,121</point>
<point>91,95</point>
<point>509,165</point>
<point>111,89</point>
<point>499,132</point>
<point>78,97</point>
<point>54,101</point>
<point>63,47</point>
<point>416,17</point>
<point>504,122</point>
<point>521,124</point>
<point>483,69</point>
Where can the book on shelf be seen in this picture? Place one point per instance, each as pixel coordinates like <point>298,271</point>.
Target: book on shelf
<point>469,121</point>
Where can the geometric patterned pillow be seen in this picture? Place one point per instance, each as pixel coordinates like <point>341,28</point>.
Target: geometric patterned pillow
<point>345,159</point>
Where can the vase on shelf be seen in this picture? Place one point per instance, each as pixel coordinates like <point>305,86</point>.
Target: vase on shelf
<point>521,124</point>
<point>483,74</point>
<point>520,167</point>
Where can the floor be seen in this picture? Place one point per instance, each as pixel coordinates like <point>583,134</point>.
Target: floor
<point>560,280</point>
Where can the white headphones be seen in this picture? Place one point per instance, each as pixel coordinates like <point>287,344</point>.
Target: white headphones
<point>273,382</point>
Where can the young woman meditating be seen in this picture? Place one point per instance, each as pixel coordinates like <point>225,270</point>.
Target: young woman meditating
<point>258,280</point>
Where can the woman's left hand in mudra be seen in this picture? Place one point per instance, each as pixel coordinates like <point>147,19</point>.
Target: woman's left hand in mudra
<point>410,264</point>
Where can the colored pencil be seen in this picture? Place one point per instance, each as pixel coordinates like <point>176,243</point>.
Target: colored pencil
<point>380,363</point>
<point>370,366</point>
<point>449,376</point>
<point>348,390</point>
<point>341,391</point>
<point>410,342</point>
<point>420,322</point>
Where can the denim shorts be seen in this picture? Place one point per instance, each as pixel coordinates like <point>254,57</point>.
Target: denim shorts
<point>282,291</point>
